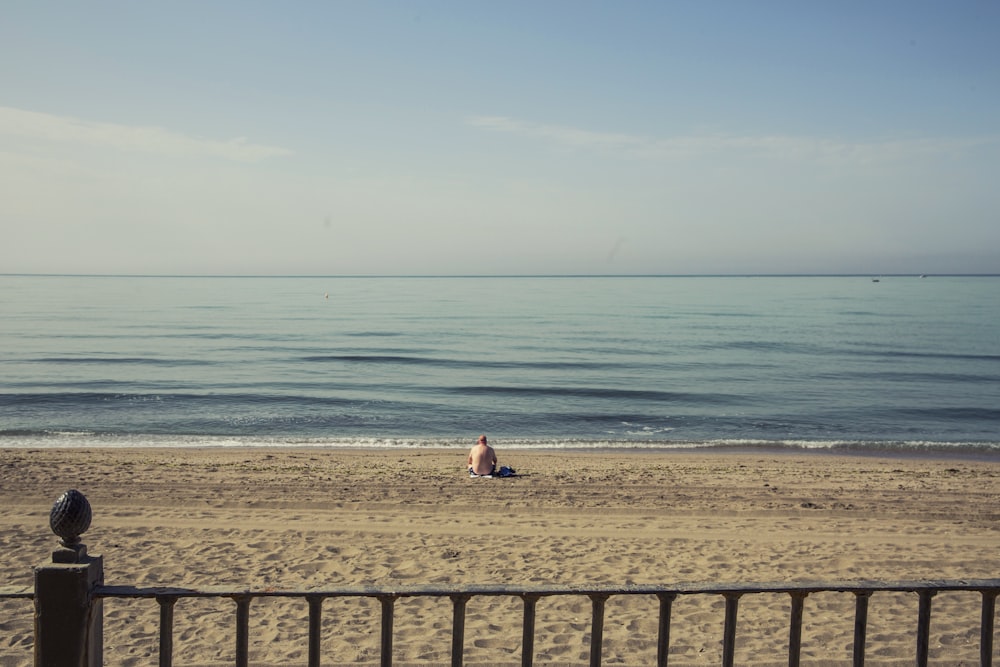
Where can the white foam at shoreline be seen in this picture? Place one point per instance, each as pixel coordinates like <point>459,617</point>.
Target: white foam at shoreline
<point>82,440</point>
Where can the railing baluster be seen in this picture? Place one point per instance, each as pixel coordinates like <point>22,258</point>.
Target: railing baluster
<point>597,629</point>
<point>528,630</point>
<point>860,626</point>
<point>242,629</point>
<point>388,607</point>
<point>166,629</point>
<point>458,628</point>
<point>795,628</point>
<point>924,627</point>
<point>986,628</point>
<point>729,632</point>
<point>315,628</point>
<point>663,633</point>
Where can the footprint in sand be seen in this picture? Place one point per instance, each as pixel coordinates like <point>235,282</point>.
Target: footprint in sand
<point>493,642</point>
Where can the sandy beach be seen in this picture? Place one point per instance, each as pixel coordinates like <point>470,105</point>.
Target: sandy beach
<point>324,518</point>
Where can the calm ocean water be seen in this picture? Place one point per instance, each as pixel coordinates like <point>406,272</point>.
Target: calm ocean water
<point>904,364</point>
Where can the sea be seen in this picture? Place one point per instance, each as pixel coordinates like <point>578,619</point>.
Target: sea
<point>890,364</point>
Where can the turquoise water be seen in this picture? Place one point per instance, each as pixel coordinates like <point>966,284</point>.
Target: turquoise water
<point>905,363</point>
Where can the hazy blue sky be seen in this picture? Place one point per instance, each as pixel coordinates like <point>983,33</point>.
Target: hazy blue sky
<point>499,137</point>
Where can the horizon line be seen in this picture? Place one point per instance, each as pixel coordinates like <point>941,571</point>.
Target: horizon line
<point>499,275</point>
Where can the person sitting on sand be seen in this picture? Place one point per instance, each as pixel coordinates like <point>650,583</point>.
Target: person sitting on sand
<point>482,459</point>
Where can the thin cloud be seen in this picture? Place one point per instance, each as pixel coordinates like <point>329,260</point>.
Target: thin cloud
<point>569,136</point>
<point>133,138</point>
<point>777,147</point>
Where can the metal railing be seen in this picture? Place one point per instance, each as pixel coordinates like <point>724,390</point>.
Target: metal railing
<point>666,594</point>
<point>69,596</point>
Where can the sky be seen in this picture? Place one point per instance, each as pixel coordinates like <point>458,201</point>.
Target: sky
<point>483,138</point>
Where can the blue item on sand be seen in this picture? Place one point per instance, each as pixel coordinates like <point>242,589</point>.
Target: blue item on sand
<point>505,471</point>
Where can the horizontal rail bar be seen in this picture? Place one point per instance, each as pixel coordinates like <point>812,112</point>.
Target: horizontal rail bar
<point>16,592</point>
<point>805,588</point>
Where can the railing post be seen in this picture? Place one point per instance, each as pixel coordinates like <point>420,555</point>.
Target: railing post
<point>315,628</point>
<point>729,632</point>
<point>166,629</point>
<point>242,629</point>
<point>528,630</point>
<point>663,634</point>
<point>597,628</point>
<point>458,628</point>
<point>795,628</point>
<point>924,626</point>
<point>986,628</point>
<point>388,609</point>
<point>68,616</point>
<point>860,626</point>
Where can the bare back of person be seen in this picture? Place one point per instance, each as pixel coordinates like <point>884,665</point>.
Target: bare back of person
<point>482,458</point>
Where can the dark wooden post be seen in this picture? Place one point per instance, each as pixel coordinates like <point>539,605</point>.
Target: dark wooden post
<point>68,615</point>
